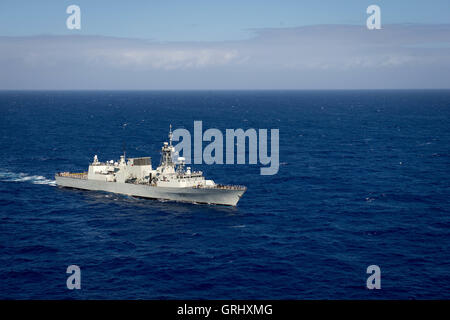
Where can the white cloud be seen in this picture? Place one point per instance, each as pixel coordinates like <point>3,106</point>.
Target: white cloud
<point>162,58</point>
<point>275,58</point>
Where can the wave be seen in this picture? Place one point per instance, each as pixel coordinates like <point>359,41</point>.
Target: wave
<point>23,177</point>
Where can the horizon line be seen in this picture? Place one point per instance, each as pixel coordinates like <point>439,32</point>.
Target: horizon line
<point>155,90</point>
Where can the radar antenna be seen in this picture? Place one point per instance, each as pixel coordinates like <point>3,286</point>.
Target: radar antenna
<point>170,135</point>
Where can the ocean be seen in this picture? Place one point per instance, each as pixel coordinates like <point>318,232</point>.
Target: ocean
<point>364,179</point>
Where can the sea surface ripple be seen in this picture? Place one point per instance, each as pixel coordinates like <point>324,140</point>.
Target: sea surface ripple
<point>363,180</point>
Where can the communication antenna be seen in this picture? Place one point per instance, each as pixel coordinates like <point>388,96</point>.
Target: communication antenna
<point>123,141</point>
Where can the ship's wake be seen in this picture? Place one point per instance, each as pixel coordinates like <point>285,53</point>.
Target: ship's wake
<point>23,177</point>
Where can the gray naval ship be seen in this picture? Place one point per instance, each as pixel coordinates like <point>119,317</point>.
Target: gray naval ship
<point>136,177</point>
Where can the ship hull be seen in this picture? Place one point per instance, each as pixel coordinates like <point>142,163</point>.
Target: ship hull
<point>227,197</point>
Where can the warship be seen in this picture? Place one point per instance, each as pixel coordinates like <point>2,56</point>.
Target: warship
<point>136,177</point>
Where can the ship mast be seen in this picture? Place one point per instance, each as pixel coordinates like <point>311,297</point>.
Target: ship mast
<point>167,149</point>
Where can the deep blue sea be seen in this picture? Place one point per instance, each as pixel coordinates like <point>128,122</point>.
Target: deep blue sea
<point>364,180</point>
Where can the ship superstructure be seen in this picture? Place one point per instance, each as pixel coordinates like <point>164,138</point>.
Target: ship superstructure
<point>136,177</point>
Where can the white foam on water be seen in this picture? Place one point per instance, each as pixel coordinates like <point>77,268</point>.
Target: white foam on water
<point>23,177</point>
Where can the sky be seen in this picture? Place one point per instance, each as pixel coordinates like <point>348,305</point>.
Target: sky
<point>199,44</point>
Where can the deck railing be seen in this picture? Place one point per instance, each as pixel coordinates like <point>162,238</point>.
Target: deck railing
<point>77,175</point>
<point>222,186</point>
